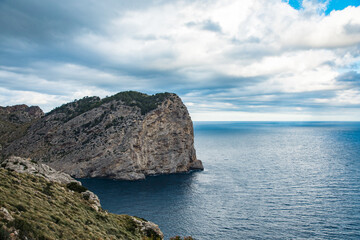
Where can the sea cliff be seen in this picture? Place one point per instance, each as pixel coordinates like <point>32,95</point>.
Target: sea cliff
<point>126,136</point>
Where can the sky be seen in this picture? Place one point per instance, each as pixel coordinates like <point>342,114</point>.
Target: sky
<point>245,60</point>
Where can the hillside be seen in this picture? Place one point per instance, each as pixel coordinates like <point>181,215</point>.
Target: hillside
<point>15,120</point>
<point>32,207</point>
<point>126,136</point>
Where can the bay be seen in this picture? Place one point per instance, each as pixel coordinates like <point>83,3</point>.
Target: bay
<point>262,180</point>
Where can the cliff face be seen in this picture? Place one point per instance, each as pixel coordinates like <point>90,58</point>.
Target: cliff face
<point>126,136</point>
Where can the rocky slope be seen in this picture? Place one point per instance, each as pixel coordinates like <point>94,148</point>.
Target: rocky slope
<point>125,136</point>
<point>20,113</point>
<point>15,120</point>
<point>23,165</point>
<point>42,206</point>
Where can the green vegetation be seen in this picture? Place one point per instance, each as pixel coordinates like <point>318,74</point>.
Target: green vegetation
<point>145,102</point>
<point>76,187</point>
<point>77,107</point>
<point>63,214</point>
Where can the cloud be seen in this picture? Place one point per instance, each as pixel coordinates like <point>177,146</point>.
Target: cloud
<point>207,25</point>
<point>221,56</point>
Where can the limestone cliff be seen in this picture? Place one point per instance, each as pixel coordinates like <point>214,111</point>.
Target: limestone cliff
<point>125,136</point>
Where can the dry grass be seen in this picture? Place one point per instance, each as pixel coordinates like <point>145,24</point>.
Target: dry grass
<point>44,210</point>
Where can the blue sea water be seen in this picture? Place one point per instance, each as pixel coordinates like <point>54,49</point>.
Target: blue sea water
<point>262,180</point>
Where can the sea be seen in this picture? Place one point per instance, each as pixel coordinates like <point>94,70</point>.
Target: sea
<point>262,180</point>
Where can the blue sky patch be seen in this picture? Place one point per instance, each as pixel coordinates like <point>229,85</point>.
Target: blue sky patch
<point>332,5</point>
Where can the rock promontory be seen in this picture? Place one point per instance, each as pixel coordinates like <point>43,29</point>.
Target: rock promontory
<point>126,136</point>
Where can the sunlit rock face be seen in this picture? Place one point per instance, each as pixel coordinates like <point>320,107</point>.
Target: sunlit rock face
<point>125,136</point>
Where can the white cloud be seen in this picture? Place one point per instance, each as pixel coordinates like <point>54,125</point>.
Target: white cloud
<point>324,31</point>
<point>160,38</point>
<point>220,55</point>
<point>345,97</point>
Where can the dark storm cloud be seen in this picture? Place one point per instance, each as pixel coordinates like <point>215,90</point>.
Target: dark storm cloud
<point>35,30</point>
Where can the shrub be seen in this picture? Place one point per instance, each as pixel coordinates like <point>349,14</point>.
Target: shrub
<point>76,187</point>
<point>130,225</point>
<point>47,189</point>
<point>25,228</point>
<point>21,208</point>
<point>4,234</point>
<point>55,219</point>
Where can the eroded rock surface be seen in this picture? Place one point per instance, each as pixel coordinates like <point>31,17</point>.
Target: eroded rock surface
<point>20,113</point>
<point>92,198</point>
<point>126,136</point>
<point>25,165</point>
<point>149,229</point>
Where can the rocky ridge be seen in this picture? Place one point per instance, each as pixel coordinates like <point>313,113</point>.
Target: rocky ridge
<point>126,136</point>
<point>20,113</point>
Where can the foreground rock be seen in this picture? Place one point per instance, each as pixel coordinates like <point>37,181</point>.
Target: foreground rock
<point>23,165</point>
<point>126,136</point>
<point>32,207</point>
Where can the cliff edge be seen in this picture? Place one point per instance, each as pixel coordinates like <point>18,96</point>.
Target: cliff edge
<point>126,136</point>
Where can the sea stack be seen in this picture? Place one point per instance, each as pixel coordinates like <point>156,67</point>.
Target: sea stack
<point>126,136</point>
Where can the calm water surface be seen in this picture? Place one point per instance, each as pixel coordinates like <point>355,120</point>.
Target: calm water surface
<point>261,181</point>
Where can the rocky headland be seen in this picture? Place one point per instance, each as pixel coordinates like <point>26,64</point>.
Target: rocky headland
<point>126,136</point>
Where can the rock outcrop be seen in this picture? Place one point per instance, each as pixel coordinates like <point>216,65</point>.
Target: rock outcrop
<point>148,228</point>
<point>125,136</point>
<point>23,165</point>
<point>20,113</point>
<point>92,198</point>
